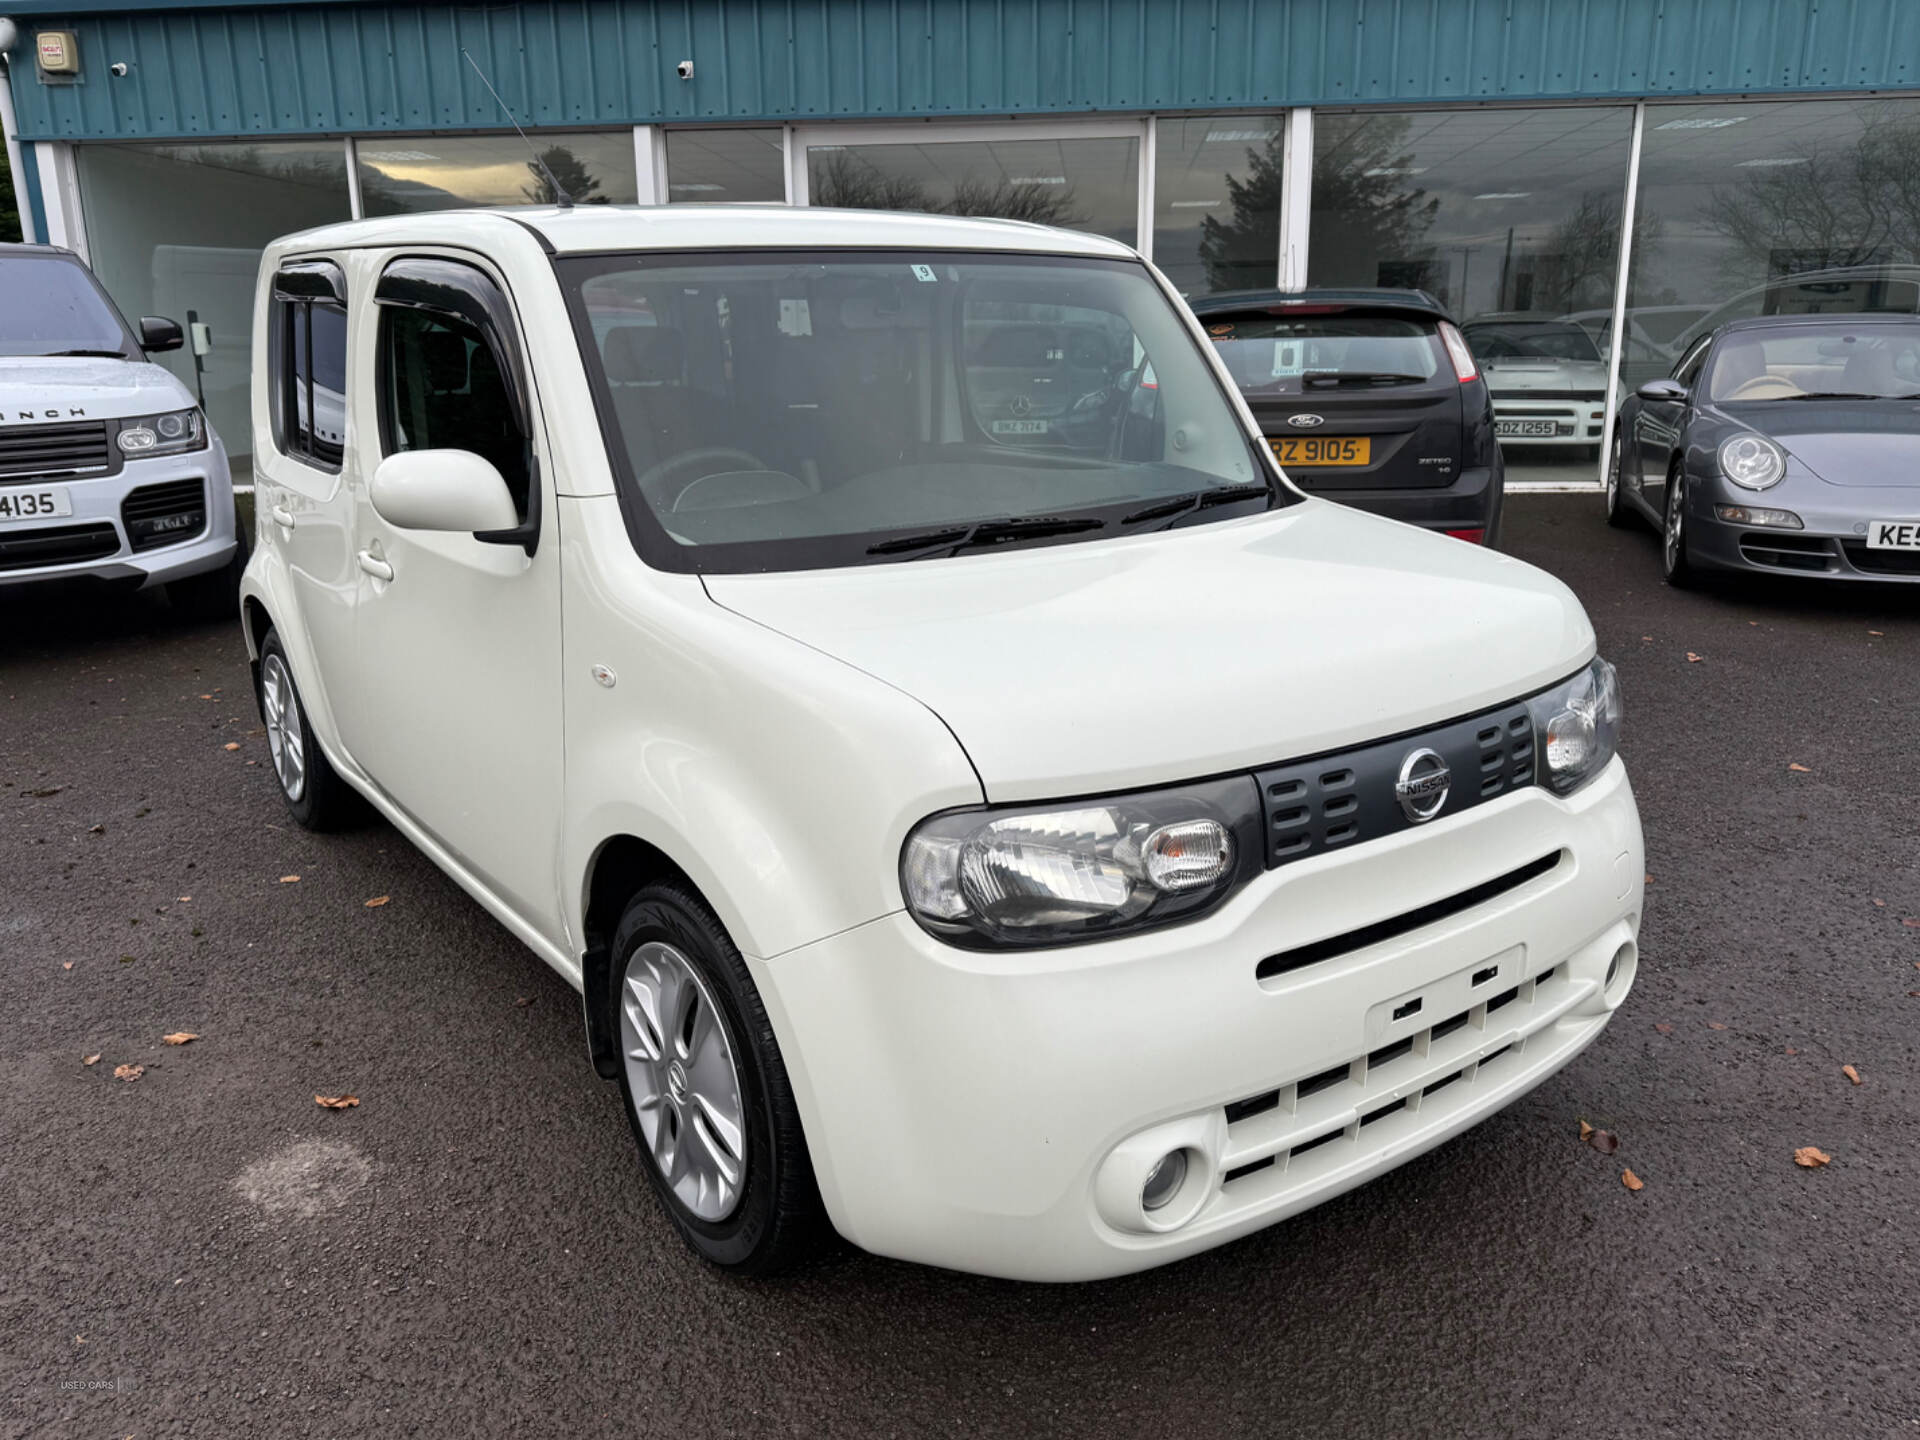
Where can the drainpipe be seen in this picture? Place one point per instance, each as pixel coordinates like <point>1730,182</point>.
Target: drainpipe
<point>9,33</point>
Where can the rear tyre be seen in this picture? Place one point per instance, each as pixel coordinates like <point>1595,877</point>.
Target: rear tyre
<point>705,1088</point>
<point>316,796</point>
<point>1618,514</point>
<point>1675,568</point>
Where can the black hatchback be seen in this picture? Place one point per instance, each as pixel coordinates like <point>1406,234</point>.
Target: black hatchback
<point>1368,397</point>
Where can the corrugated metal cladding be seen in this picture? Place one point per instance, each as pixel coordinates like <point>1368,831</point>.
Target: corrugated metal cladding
<point>303,69</point>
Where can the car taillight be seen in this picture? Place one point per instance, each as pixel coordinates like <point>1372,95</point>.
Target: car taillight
<point>1463,367</point>
<point>1472,537</point>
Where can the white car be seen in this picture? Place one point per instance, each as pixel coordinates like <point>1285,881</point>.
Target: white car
<point>1547,378</point>
<point>109,472</point>
<point>1004,819</point>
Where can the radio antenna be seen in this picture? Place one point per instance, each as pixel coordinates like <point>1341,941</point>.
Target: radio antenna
<point>560,197</point>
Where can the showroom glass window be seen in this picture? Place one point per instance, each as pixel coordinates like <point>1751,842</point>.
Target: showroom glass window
<point>449,172</point>
<point>177,230</point>
<point>1089,184</point>
<point>725,167</point>
<point>1216,202</point>
<point>1806,207</point>
<point>1512,219</point>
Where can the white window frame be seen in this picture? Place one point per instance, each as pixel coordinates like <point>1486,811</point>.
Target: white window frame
<point>60,197</point>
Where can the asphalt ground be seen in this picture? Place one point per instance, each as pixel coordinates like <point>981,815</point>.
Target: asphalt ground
<point>472,1250</point>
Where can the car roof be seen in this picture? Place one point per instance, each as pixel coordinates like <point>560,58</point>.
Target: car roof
<point>1832,317</point>
<point>1354,297</point>
<point>586,229</point>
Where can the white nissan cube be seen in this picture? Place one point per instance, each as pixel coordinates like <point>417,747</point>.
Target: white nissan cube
<point>876,660</point>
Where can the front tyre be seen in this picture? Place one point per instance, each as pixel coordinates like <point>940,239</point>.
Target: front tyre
<point>1675,568</point>
<point>316,796</point>
<point>705,1088</point>
<point>1617,515</point>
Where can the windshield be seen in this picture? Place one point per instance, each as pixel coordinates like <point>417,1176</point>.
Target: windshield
<point>53,307</point>
<point>1288,355</point>
<point>1530,342</point>
<point>787,411</point>
<point>1803,362</point>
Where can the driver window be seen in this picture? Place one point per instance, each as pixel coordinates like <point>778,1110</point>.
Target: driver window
<point>1687,372</point>
<point>441,388</point>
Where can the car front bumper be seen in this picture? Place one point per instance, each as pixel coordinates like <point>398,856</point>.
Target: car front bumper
<point>99,502</point>
<point>996,1112</point>
<point>1831,546</point>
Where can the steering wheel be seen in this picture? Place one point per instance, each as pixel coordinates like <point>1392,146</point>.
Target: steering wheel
<point>655,480</point>
<point>1765,387</point>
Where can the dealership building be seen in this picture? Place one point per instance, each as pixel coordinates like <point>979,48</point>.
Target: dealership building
<point>1620,168</point>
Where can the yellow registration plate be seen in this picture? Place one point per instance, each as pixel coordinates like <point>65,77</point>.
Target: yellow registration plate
<point>1322,450</point>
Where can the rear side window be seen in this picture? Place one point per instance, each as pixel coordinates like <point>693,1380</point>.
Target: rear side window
<point>308,366</point>
<point>442,387</point>
<point>1296,354</point>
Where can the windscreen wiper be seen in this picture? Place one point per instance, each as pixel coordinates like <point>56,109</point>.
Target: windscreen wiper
<point>1358,377</point>
<point>102,354</point>
<point>1842,395</point>
<point>953,540</point>
<point>1175,506</point>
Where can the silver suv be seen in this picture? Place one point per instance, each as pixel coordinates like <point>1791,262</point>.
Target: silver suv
<point>108,468</point>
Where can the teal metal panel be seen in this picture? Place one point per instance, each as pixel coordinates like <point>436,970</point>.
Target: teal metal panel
<point>200,69</point>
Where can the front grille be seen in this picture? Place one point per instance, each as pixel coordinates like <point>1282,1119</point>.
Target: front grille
<point>1786,552</point>
<point>1884,562</point>
<point>45,450</point>
<point>1346,943</point>
<point>56,545</point>
<point>166,514</point>
<point>1329,802</point>
<point>1377,1099</point>
<point>1592,396</point>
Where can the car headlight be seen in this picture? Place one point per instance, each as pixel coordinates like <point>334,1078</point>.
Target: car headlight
<point>1576,727</point>
<point>1752,461</point>
<point>167,434</point>
<point>1053,874</point>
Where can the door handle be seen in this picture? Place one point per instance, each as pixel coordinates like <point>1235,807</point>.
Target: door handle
<point>281,515</point>
<point>375,566</point>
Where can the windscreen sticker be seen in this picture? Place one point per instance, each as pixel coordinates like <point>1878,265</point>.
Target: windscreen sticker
<point>925,273</point>
<point>1289,358</point>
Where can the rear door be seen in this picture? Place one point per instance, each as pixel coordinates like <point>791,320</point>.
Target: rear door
<point>1350,398</point>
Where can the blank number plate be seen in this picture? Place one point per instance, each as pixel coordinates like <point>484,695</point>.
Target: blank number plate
<point>1893,535</point>
<point>38,504</point>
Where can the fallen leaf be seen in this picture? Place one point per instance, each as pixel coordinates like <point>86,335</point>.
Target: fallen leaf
<point>1876,632</point>
<point>66,964</point>
<point>233,745</point>
<point>1632,1181</point>
<point>1800,769</point>
<point>524,1001</point>
<point>336,1102</point>
<point>1605,1141</point>
<point>1585,1130</point>
<point>1715,1025</point>
<point>185,898</point>
<point>1646,637</point>
<point>179,1037</point>
<point>128,1072</point>
<point>1851,1074</point>
<point>1664,1029</point>
<point>89,1059</point>
<point>126,959</point>
<point>46,792</point>
<point>289,879</point>
<point>1753,622</point>
<point>206,697</point>
<point>1693,659</point>
<point>1649,879</point>
<point>1792,1051</point>
<point>1913,994</point>
<point>1880,904</point>
<point>1912,924</point>
<point>97,830</point>
<point>1811,1157</point>
<point>377,901</point>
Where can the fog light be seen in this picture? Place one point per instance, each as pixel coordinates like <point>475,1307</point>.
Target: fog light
<point>1754,515</point>
<point>1164,1180</point>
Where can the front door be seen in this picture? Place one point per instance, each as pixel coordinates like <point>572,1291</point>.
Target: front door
<point>457,710</point>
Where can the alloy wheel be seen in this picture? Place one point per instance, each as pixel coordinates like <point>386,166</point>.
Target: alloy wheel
<point>684,1080</point>
<point>285,737</point>
<point>1613,475</point>
<point>1675,538</point>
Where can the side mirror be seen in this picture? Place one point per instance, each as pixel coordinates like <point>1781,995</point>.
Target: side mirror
<point>442,490</point>
<point>159,333</point>
<point>1663,392</point>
